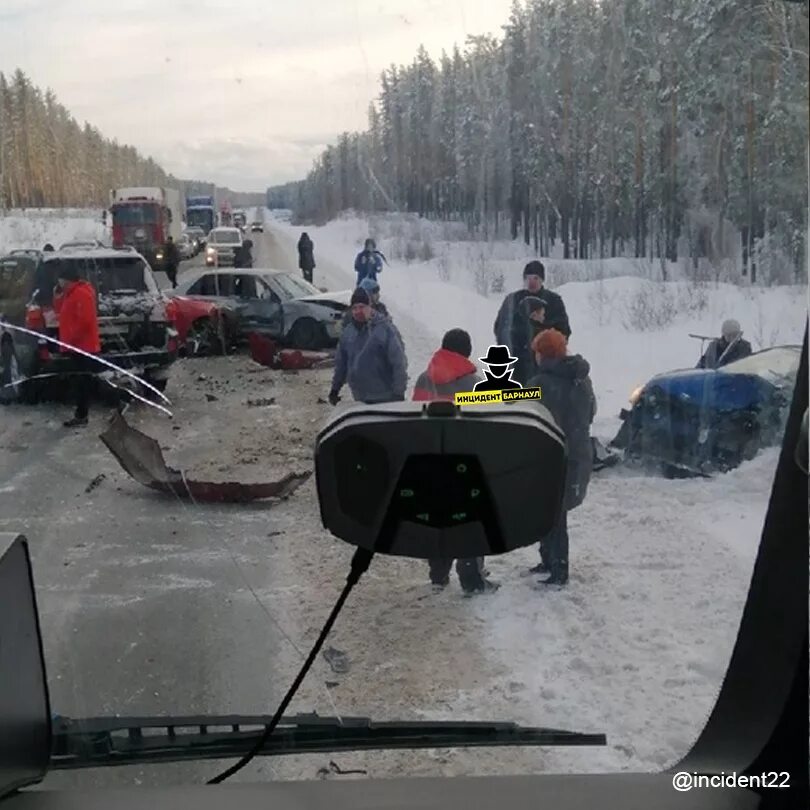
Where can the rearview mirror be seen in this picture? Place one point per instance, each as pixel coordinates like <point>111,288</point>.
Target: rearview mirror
<point>437,480</point>
<point>323,289</point>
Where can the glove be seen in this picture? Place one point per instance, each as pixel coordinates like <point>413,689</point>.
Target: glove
<point>334,398</point>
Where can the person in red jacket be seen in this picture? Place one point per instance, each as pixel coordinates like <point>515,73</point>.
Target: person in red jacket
<point>75,303</point>
<point>450,372</point>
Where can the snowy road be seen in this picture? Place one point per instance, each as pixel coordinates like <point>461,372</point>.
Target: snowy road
<point>153,606</point>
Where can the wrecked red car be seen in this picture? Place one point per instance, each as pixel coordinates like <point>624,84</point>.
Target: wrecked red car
<point>203,328</point>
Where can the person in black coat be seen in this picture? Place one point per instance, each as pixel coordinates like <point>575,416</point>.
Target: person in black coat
<point>512,323</point>
<point>171,260</point>
<point>729,347</point>
<point>567,392</point>
<point>306,256</point>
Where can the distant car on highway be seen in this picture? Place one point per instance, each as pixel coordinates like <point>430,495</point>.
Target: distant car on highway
<point>271,302</point>
<point>256,226</point>
<point>185,247</point>
<point>197,234</point>
<point>224,245</point>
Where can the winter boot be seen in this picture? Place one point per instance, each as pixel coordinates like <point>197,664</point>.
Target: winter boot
<point>559,574</point>
<point>487,586</point>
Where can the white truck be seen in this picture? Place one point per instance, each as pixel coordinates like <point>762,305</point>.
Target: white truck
<point>143,217</point>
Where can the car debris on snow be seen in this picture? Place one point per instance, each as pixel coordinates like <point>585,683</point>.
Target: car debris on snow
<point>261,403</point>
<point>141,457</point>
<point>95,483</point>
<point>337,659</point>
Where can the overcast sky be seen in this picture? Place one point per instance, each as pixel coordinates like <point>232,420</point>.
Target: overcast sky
<point>240,92</point>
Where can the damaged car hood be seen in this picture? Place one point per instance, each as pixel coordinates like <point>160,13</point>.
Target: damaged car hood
<point>341,297</point>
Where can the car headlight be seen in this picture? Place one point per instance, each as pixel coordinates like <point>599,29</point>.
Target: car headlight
<point>210,251</point>
<point>635,396</point>
<point>158,256</point>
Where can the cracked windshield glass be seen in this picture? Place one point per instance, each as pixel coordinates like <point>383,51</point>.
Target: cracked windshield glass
<point>223,227</point>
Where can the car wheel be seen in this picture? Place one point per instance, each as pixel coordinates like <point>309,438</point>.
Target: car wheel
<point>306,333</point>
<point>204,339</point>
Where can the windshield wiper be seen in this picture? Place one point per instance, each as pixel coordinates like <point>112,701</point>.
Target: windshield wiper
<point>109,741</point>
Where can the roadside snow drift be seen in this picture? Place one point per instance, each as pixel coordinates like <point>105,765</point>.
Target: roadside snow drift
<point>638,644</point>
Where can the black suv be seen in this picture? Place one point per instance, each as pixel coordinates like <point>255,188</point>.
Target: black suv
<point>134,328</point>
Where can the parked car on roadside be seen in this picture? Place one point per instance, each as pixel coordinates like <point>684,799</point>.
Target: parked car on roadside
<point>133,323</point>
<point>272,302</point>
<point>700,421</point>
<point>224,244</point>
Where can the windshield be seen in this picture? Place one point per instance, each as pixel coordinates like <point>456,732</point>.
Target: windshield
<point>591,192</point>
<point>225,238</point>
<point>136,214</point>
<point>109,275</point>
<point>199,216</point>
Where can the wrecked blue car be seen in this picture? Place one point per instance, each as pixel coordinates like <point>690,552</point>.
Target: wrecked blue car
<point>699,422</point>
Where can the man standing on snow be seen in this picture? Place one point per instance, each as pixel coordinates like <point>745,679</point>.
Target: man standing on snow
<point>306,256</point>
<point>368,262</point>
<point>370,356</point>
<point>568,393</point>
<point>727,348</point>
<point>451,372</point>
<point>511,325</point>
<point>74,301</point>
<point>171,260</point>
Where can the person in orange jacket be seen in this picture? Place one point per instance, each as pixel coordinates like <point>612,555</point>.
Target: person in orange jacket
<point>75,303</point>
<point>450,372</point>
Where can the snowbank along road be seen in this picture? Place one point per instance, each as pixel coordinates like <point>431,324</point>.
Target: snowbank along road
<point>154,606</point>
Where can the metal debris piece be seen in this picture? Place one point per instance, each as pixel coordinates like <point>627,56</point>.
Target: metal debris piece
<point>95,483</point>
<point>141,457</point>
<point>335,768</point>
<point>337,659</point>
<point>261,403</point>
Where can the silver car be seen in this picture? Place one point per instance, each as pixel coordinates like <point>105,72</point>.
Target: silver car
<point>223,246</point>
<point>272,302</point>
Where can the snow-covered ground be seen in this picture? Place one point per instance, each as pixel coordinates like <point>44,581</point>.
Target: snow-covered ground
<point>637,646</point>
<point>34,227</point>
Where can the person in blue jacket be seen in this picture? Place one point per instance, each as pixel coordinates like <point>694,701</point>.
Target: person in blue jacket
<point>368,262</point>
<point>370,357</point>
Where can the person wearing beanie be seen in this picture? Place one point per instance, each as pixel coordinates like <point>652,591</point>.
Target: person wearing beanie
<point>567,392</point>
<point>74,302</point>
<point>512,326</point>
<point>729,347</point>
<point>370,356</point>
<point>451,372</point>
<point>372,287</point>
